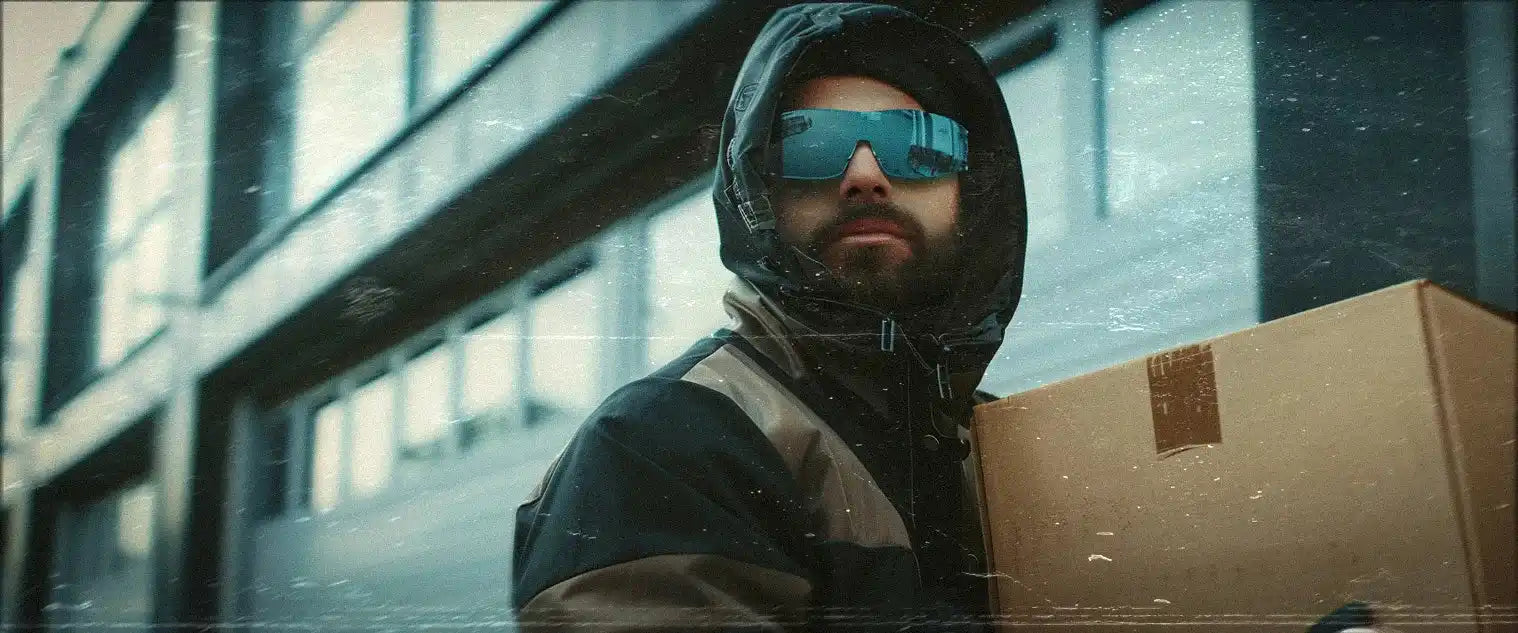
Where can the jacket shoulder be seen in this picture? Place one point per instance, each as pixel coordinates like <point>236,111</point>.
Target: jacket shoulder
<point>663,467</point>
<point>663,414</point>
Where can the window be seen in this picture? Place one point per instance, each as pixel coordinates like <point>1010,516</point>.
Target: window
<point>1174,258</point>
<point>403,419</point>
<point>327,456</point>
<point>1180,111</point>
<point>138,235</point>
<point>428,407</point>
<point>373,447</point>
<point>362,67</point>
<point>563,351</point>
<point>350,92</point>
<point>1180,168</point>
<point>115,170</point>
<point>14,302</point>
<point>355,439</point>
<point>104,570</point>
<point>313,13</point>
<point>134,525</point>
<point>461,34</point>
<point>489,384</point>
<point>1035,95</point>
<point>686,278</point>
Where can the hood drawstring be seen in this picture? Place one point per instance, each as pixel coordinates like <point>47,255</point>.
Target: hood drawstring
<point>944,445</point>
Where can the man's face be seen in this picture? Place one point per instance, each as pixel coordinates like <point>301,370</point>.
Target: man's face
<point>890,243</point>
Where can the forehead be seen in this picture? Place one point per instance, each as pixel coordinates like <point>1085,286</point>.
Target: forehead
<point>850,92</point>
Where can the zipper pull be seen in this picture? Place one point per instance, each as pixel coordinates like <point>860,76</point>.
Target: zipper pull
<point>888,335</point>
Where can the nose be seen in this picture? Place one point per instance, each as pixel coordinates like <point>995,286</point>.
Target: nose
<point>863,181</point>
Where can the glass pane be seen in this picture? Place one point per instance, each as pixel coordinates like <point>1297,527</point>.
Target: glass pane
<point>327,457</point>
<point>686,280</point>
<point>1176,259</point>
<point>428,383</point>
<point>103,570</point>
<point>564,360</point>
<point>157,150</point>
<point>350,95</point>
<point>116,291</point>
<point>1180,111</point>
<point>123,181</point>
<point>312,12</point>
<point>465,32</point>
<point>1181,164</point>
<point>134,527</point>
<point>491,365</point>
<point>152,275</point>
<point>1036,100</point>
<point>373,449</point>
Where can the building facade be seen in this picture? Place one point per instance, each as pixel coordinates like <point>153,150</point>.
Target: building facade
<point>300,299</point>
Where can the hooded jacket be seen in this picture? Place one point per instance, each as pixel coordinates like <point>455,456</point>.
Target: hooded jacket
<point>804,468</point>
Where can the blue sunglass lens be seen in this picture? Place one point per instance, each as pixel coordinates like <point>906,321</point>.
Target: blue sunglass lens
<point>816,144</point>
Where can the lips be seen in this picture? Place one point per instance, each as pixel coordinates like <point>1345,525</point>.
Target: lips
<point>870,232</point>
<point>878,227</point>
<point>870,226</point>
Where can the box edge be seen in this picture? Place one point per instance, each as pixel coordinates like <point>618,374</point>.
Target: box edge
<point>1437,369</point>
<point>1412,286</point>
<point>993,577</point>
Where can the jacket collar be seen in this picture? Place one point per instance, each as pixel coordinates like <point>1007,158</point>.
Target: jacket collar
<point>878,380</point>
<point>762,324</point>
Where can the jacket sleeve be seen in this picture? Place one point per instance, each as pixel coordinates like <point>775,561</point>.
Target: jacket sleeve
<point>669,510</point>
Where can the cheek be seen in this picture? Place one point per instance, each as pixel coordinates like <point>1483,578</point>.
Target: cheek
<point>799,212</point>
<point>936,205</point>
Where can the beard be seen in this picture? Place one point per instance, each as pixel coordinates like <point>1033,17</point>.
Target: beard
<point>877,276</point>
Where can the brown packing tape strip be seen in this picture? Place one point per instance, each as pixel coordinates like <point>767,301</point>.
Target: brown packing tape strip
<point>1183,399</point>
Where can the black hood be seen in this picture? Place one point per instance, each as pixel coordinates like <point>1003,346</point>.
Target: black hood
<point>953,342</point>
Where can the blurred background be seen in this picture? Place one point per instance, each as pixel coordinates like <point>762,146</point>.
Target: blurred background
<point>301,298</point>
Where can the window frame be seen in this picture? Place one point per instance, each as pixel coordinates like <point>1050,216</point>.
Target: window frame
<point>86,544</point>
<point>15,247</point>
<point>306,37</point>
<point>425,96</point>
<point>441,445</point>
<point>132,125</point>
<point>515,300</point>
<point>108,255</point>
<point>418,104</point>
<point>1073,29</point>
<point>300,413</point>
<point>138,77</point>
<point>278,213</point>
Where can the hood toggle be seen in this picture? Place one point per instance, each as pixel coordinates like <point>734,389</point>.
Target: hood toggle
<point>941,375</point>
<point>757,214</point>
<point>755,207</point>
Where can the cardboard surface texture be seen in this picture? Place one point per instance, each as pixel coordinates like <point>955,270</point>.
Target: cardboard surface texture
<point>1362,451</point>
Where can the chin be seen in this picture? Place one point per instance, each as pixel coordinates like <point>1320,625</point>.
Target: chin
<point>875,286</point>
<point>868,262</point>
<point>891,283</point>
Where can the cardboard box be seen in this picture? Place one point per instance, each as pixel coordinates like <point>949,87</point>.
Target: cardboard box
<point>1362,451</point>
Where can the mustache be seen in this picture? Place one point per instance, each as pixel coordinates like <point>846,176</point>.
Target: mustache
<point>854,211</point>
